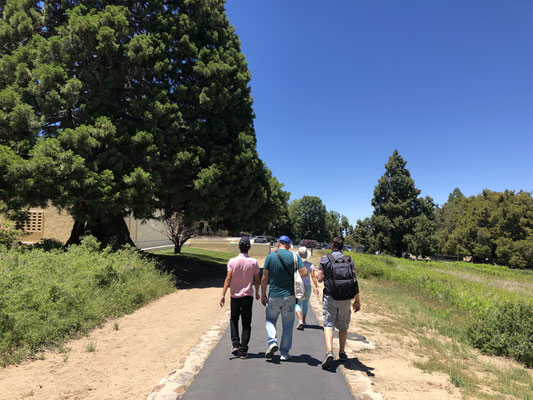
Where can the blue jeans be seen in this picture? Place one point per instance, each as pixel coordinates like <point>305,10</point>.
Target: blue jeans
<point>285,306</point>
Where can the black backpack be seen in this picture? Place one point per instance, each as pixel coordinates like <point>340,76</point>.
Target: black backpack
<point>342,283</point>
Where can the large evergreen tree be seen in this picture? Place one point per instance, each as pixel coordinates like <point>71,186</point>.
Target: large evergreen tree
<point>401,219</point>
<point>116,107</point>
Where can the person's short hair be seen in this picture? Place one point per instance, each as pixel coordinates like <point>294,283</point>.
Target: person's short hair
<point>337,243</point>
<point>244,248</point>
<point>244,244</point>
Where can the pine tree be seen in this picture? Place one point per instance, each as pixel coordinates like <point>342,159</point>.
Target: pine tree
<point>400,217</point>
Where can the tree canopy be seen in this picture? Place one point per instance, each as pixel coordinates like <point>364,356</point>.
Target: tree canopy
<point>491,227</point>
<point>337,225</point>
<point>401,220</point>
<point>308,218</point>
<point>113,107</point>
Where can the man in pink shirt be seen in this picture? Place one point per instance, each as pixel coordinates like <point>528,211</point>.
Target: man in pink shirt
<point>243,272</point>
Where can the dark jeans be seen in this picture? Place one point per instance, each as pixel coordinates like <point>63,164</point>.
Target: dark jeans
<point>241,307</point>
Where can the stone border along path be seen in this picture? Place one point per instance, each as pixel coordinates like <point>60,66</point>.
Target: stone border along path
<point>360,384</point>
<point>174,385</point>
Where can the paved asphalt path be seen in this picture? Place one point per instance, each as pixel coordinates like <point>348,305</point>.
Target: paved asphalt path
<point>225,376</point>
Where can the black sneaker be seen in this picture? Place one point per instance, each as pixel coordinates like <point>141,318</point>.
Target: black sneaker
<point>343,356</point>
<point>243,355</point>
<point>326,364</point>
<point>235,351</point>
<point>271,350</point>
<point>300,326</point>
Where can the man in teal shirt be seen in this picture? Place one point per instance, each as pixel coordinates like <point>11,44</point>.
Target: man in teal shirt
<point>281,299</point>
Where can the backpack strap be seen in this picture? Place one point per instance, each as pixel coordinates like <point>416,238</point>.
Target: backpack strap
<point>331,259</point>
<point>284,265</point>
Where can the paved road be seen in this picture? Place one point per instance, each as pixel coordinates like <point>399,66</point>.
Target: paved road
<point>225,376</point>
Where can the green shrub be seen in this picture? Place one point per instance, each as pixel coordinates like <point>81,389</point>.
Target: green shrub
<point>498,299</point>
<point>505,330</point>
<point>48,244</point>
<point>8,235</point>
<point>47,297</point>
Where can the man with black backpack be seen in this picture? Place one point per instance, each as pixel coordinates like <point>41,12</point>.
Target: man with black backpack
<point>337,271</point>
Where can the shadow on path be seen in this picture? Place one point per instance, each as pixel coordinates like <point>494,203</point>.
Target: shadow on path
<point>191,271</point>
<point>355,364</point>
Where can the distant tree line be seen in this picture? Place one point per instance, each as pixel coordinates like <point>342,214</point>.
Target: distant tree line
<point>494,227</point>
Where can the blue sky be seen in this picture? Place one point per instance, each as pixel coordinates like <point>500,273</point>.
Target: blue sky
<point>339,85</point>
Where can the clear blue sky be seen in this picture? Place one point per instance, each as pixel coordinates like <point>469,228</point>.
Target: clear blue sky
<point>339,85</point>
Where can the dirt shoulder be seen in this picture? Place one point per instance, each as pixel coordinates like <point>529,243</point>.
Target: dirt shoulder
<point>127,363</point>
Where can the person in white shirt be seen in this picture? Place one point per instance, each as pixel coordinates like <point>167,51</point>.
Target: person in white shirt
<point>303,305</point>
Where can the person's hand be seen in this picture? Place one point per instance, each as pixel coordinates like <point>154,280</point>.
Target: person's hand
<point>222,301</point>
<point>317,291</point>
<point>356,306</point>
<point>257,296</point>
<point>264,300</point>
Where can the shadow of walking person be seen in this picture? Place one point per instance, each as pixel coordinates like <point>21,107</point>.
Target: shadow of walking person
<point>356,365</point>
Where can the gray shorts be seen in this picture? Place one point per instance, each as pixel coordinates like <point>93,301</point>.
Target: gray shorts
<point>336,313</point>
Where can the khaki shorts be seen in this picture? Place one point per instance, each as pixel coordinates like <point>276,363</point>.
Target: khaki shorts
<point>336,313</point>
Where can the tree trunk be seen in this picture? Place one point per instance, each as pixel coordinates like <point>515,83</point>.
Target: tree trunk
<point>177,248</point>
<point>78,230</point>
<point>113,232</point>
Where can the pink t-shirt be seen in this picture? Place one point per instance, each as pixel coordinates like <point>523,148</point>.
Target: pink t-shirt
<point>243,267</point>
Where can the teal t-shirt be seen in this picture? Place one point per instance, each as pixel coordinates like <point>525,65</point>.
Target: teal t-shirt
<point>281,284</point>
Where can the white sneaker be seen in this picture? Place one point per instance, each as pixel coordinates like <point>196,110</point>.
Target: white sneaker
<point>285,358</point>
<point>271,350</point>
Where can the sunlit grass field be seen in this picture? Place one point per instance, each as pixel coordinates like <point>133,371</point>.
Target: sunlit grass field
<point>498,301</point>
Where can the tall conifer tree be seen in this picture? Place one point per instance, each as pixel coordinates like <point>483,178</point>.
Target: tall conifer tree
<point>112,107</point>
<point>401,220</point>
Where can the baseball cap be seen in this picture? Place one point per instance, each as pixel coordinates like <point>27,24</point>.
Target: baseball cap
<point>245,240</point>
<point>284,239</point>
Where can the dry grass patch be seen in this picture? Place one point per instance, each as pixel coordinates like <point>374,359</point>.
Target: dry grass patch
<point>434,333</point>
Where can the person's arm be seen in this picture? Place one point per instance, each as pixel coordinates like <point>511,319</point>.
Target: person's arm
<point>356,303</point>
<point>256,284</point>
<point>320,271</point>
<point>264,283</point>
<point>301,269</point>
<point>320,275</point>
<point>315,281</point>
<point>225,288</point>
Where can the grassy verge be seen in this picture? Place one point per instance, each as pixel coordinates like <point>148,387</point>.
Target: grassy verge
<point>199,256</point>
<point>194,267</point>
<point>438,334</point>
<point>47,297</point>
<point>497,301</point>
